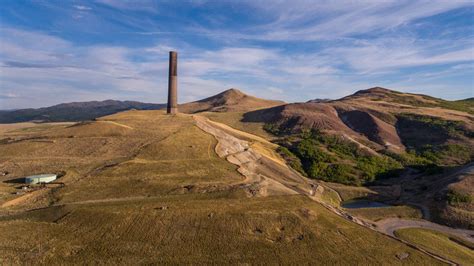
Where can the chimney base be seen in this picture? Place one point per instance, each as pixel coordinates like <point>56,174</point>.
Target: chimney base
<point>172,110</point>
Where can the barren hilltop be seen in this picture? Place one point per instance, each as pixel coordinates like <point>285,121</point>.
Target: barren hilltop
<point>232,100</point>
<point>377,177</point>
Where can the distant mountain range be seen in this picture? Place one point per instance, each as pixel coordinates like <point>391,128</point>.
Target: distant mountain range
<point>231,100</point>
<point>75,111</point>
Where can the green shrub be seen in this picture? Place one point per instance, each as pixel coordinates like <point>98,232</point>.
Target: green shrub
<point>441,154</point>
<point>458,152</point>
<point>309,149</point>
<point>453,128</point>
<point>291,159</point>
<point>373,167</point>
<point>409,158</point>
<point>332,158</point>
<point>272,128</point>
<point>317,170</point>
<point>455,197</point>
<point>340,173</point>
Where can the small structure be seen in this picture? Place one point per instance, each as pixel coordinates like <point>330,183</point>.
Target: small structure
<point>38,179</point>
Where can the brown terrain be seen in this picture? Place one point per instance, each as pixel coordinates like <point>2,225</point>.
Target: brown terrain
<point>212,185</point>
<point>231,100</point>
<point>368,116</point>
<point>378,121</point>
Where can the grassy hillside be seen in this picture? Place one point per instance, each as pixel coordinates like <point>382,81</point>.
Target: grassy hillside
<point>407,145</point>
<point>144,187</point>
<point>448,246</point>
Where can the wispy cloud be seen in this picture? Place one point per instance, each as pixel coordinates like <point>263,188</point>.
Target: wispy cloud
<point>8,95</point>
<point>315,20</point>
<point>82,8</point>
<point>114,72</point>
<point>140,5</point>
<point>384,54</point>
<point>293,51</point>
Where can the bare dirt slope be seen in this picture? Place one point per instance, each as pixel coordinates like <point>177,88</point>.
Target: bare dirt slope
<point>158,193</point>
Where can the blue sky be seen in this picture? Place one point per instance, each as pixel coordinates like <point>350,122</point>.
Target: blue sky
<point>63,51</point>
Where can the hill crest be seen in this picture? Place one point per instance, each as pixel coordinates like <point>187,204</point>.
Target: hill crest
<point>74,111</point>
<point>232,100</point>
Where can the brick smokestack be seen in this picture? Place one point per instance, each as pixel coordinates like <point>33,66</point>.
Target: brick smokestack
<point>173,84</point>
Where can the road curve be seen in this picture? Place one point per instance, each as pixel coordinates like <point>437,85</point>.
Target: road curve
<point>390,225</point>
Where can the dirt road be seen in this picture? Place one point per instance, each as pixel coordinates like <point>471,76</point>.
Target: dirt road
<point>389,226</point>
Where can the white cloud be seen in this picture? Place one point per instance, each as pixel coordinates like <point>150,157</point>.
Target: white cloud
<point>391,53</point>
<point>140,5</point>
<point>309,20</point>
<point>82,8</point>
<point>41,69</point>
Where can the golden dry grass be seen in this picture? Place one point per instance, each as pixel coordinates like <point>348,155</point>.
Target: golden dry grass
<point>448,246</point>
<point>160,194</point>
<point>376,214</point>
<point>234,119</point>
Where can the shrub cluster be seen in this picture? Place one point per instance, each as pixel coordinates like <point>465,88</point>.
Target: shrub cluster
<point>334,159</point>
<point>455,197</point>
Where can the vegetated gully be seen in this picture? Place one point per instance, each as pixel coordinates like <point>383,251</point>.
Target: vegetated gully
<point>276,178</point>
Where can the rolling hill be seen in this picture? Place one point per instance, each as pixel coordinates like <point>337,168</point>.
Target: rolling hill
<point>232,100</point>
<point>388,124</point>
<point>75,111</point>
<point>241,180</point>
<point>382,137</point>
<point>145,187</point>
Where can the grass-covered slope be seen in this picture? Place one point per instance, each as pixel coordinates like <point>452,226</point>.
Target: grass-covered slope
<point>453,248</point>
<point>155,192</point>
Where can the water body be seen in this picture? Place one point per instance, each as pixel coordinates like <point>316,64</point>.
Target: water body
<point>358,204</point>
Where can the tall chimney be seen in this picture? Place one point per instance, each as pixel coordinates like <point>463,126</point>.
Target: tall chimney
<point>173,84</point>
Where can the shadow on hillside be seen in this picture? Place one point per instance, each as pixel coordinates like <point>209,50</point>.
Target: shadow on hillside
<point>263,115</point>
<point>20,180</point>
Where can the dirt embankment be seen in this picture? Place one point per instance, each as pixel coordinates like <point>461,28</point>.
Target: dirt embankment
<point>263,175</point>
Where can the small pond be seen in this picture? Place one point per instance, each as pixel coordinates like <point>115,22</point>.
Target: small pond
<point>358,204</point>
